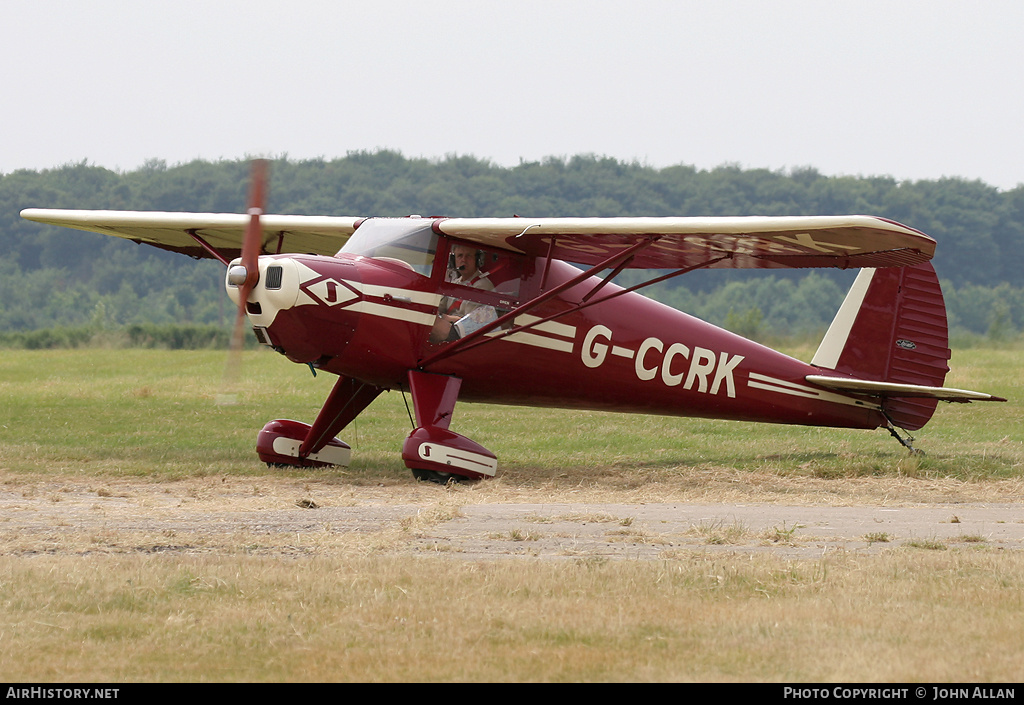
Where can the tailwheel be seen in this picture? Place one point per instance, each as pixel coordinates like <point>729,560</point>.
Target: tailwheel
<point>905,442</point>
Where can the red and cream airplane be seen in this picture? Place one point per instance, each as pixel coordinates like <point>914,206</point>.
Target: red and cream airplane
<point>490,310</point>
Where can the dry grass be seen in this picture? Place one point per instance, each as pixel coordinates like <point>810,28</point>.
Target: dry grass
<point>84,602</point>
<point>358,616</point>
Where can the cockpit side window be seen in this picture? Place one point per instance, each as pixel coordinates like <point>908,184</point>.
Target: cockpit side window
<point>480,285</point>
<point>408,240</point>
<point>482,269</point>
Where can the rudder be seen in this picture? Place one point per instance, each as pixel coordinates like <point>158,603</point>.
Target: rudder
<point>892,328</point>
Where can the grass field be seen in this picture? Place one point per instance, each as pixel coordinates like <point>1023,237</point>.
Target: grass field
<point>153,413</point>
<point>87,606</point>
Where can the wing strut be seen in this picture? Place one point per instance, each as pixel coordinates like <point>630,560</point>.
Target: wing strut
<point>607,278</point>
<point>465,343</point>
<point>210,249</point>
<point>476,338</point>
<point>586,304</point>
<point>617,262</point>
<point>641,285</point>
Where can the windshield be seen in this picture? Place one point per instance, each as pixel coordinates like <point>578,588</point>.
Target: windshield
<point>409,240</point>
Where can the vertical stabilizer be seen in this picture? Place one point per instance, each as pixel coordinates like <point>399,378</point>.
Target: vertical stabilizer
<point>892,328</point>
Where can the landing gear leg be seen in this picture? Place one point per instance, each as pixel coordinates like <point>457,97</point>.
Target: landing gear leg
<point>432,451</point>
<point>285,442</point>
<point>905,442</point>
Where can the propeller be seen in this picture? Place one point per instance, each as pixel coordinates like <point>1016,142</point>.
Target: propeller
<point>246,274</point>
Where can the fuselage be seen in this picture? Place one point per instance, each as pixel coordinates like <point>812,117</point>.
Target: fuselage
<point>371,317</point>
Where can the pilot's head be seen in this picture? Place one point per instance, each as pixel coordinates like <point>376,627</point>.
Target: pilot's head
<point>465,260</point>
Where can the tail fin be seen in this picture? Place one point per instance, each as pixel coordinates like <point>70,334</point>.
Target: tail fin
<point>892,329</point>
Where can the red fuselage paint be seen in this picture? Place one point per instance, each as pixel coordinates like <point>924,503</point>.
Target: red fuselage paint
<point>369,319</point>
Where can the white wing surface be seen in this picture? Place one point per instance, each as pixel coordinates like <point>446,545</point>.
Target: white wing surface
<point>322,235</point>
<point>735,242</point>
<point>675,242</point>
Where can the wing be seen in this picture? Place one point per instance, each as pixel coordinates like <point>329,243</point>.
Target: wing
<point>737,242</point>
<point>677,242</point>
<point>323,235</point>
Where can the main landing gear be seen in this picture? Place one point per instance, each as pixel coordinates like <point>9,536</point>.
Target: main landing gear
<point>431,451</point>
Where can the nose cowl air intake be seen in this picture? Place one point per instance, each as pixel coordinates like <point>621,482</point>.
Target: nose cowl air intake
<point>277,288</point>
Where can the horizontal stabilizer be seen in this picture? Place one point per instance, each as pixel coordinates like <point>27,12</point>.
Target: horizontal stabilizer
<point>895,389</point>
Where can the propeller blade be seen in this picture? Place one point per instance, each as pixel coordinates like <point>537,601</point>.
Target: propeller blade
<point>253,233</point>
<point>248,278</point>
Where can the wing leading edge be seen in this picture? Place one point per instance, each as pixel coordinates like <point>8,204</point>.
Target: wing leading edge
<point>323,235</point>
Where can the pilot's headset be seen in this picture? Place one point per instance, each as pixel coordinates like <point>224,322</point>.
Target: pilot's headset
<point>480,260</point>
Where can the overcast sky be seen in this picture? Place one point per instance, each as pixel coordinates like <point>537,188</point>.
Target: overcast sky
<point>913,90</point>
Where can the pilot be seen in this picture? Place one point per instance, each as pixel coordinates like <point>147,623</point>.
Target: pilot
<point>466,271</point>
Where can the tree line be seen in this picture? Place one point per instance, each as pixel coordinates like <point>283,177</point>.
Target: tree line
<point>53,277</point>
